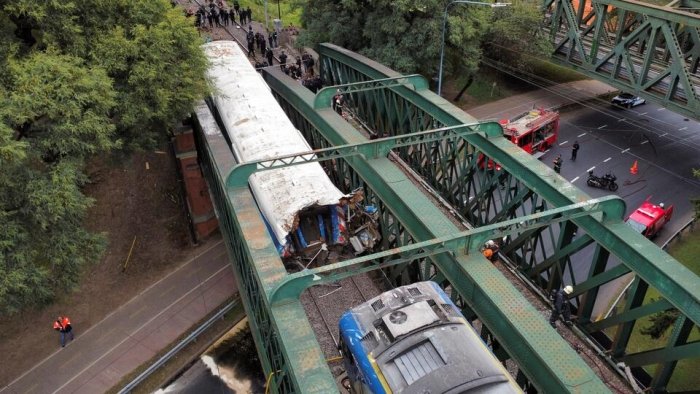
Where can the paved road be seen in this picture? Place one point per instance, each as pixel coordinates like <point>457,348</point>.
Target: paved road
<point>101,356</point>
<point>665,145</point>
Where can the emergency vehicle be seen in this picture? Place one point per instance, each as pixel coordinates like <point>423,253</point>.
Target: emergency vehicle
<point>649,218</point>
<point>534,131</point>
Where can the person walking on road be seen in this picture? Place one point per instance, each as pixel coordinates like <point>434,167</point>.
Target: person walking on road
<point>63,326</point>
<point>561,307</point>
<point>574,150</point>
<point>557,164</point>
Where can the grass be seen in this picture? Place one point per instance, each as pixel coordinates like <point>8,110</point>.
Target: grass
<point>684,377</point>
<point>290,14</point>
<point>485,88</point>
<point>556,73</point>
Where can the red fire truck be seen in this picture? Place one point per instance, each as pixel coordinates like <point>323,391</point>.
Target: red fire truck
<point>534,131</point>
<point>649,218</point>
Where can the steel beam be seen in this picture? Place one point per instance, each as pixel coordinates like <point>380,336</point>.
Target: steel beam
<point>673,280</point>
<point>516,324</point>
<point>464,242</point>
<point>369,149</point>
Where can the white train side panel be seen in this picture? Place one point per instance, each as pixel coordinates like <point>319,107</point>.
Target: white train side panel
<point>259,129</point>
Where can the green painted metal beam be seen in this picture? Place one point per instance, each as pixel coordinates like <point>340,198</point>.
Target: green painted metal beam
<point>325,95</point>
<point>691,350</point>
<point>630,315</point>
<point>658,11</point>
<point>669,79</point>
<point>673,280</point>
<point>537,348</point>
<point>464,242</point>
<point>283,336</point>
<point>369,149</point>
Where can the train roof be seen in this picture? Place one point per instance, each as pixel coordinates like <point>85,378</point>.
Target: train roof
<point>259,129</point>
<point>422,343</point>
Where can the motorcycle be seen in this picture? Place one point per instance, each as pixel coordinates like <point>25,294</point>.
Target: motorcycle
<point>606,181</point>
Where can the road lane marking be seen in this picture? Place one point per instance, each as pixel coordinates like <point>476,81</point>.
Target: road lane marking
<point>137,329</point>
<point>581,135</point>
<point>625,150</point>
<point>574,180</point>
<point>607,160</point>
<point>663,134</point>
<point>644,142</point>
<point>621,120</point>
<point>661,109</point>
<point>563,142</point>
<point>643,113</point>
<point>590,169</point>
<point>681,129</point>
<point>602,127</point>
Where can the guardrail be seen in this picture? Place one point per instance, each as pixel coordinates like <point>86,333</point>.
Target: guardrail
<point>674,237</point>
<point>186,341</point>
<point>678,233</point>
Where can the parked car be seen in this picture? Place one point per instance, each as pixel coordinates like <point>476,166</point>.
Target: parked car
<point>628,100</point>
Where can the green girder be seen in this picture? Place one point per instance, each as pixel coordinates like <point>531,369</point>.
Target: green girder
<point>515,323</point>
<point>370,150</point>
<point>325,95</point>
<point>462,242</point>
<point>610,41</point>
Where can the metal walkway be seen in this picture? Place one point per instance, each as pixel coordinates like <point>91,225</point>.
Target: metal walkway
<point>555,232</point>
<point>652,51</point>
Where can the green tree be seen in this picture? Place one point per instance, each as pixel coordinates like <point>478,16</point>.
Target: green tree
<point>404,35</point>
<point>515,36</point>
<point>78,79</point>
<point>660,322</point>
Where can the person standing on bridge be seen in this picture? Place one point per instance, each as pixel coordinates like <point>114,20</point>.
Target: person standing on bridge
<point>269,56</point>
<point>63,326</point>
<point>574,150</point>
<point>557,164</point>
<point>561,306</point>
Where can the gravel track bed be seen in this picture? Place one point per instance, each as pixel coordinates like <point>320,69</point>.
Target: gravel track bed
<point>331,301</point>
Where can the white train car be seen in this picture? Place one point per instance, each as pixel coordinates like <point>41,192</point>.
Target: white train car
<point>301,206</point>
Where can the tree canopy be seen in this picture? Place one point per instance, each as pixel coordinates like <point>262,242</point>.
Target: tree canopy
<point>406,35</point>
<point>78,79</point>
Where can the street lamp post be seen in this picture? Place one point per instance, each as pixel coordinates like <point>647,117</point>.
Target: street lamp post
<point>444,26</point>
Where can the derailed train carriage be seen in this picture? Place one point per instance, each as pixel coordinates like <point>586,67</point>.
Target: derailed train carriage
<point>413,339</point>
<point>301,207</point>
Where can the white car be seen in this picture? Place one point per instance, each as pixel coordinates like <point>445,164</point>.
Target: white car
<point>628,100</point>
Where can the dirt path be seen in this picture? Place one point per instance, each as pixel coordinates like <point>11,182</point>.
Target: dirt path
<point>136,196</point>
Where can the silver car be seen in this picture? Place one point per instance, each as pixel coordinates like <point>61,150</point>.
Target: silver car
<point>628,100</point>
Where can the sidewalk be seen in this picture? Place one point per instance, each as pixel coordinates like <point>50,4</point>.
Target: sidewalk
<point>101,356</point>
<point>554,96</point>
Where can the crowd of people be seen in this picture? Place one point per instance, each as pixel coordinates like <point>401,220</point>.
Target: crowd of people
<point>216,15</point>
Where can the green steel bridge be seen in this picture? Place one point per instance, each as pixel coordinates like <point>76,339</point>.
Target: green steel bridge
<point>552,227</point>
<point>650,50</point>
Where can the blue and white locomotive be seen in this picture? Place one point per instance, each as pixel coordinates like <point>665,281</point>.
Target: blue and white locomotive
<point>414,339</point>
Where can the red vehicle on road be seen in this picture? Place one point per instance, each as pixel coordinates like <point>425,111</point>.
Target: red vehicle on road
<point>649,219</point>
<point>534,131</point>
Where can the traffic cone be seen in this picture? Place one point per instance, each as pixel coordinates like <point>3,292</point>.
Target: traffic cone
<point>633,169</point>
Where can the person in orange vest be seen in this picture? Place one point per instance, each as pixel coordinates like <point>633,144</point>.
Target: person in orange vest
<point>63,326</point>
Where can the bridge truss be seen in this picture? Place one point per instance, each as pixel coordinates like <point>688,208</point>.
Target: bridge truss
<point>652,51</point>
<point>551,227</point>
